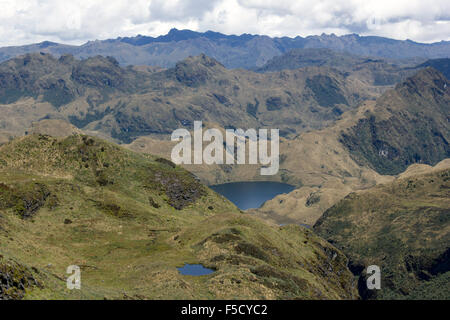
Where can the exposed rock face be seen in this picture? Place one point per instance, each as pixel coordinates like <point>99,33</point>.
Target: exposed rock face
<point>14,280</point>
<point>181,189</point>
<point>26,200</point>
<point>54,128</point>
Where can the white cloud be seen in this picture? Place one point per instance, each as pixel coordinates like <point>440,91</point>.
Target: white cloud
<point>29,21</point>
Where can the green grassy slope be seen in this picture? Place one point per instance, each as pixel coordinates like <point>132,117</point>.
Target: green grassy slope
<point>128,220</point>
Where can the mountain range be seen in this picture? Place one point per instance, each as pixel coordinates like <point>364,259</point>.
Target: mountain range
<point>244,51</point>
<point>98,94</point>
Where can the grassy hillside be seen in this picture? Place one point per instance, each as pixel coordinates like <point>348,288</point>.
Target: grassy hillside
<point>403,227</point>
<point>128,220</point>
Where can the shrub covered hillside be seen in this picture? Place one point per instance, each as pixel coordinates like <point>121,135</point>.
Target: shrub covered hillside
<point>129,220</point>
<point>403,227</point>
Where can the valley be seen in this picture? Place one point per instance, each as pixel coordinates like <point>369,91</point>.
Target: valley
<point>86,176</point>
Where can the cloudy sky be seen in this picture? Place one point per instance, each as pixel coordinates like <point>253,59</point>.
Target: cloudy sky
<point>75,22</point>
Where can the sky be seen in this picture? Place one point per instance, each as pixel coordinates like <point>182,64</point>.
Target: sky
<point>76,22</point>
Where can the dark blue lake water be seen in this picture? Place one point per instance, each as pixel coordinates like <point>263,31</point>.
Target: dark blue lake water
<point>194,270</point>
<point>252,195</point>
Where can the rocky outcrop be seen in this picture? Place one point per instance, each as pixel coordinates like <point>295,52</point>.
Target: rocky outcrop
<point>180,189</point>
<point>26,200</point>
<point>15,279</point>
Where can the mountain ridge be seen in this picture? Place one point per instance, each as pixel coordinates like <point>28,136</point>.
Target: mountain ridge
<point>244,51</point>
<point>97,94</point>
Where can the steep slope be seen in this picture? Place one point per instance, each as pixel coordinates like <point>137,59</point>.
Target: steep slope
<point>244,51</point>
<point>404,228</point>
<point>15,280</point>
<point>128,220</point>
<point>408,125</point>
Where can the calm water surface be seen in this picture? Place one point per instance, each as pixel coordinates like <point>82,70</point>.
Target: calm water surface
<point>252,195</point>
<point>194,270</point>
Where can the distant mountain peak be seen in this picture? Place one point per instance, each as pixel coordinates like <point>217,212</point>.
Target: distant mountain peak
<point>204,60</point>
<point>46,44</point>
<point>194,71</point>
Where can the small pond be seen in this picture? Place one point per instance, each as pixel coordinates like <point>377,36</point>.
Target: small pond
<point>195,270</point>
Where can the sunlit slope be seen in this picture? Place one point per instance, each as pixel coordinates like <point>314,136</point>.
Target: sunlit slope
<point>128,220</point>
